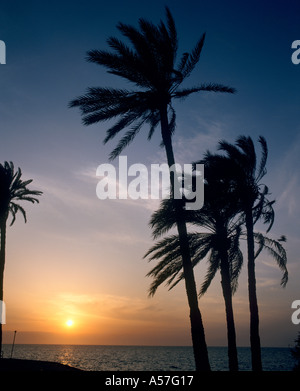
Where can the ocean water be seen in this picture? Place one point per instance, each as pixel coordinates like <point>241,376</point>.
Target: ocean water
<point>145,358</point>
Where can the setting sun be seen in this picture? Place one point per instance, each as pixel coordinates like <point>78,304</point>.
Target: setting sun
<point>69,323</point>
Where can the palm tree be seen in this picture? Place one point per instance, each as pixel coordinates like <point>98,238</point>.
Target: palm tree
<point>12,190</point>
<point>223,254</point>
<point>221,242</point>
<point>204,244</point>
<point>222,218</point>
<point>149,64</point>
<point>242,163</point>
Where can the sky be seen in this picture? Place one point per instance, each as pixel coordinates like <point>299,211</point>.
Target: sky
<point>80,258</point>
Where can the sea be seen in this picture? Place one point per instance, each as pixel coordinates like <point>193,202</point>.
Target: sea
<point>145,358</point>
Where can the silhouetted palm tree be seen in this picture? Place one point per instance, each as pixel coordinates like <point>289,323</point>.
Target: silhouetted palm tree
<point>149,63</point>
<point>242,163</point>
<point>222,218</point>
<point>202,244</point>
<point>220,244</point>
<point>12,190</point>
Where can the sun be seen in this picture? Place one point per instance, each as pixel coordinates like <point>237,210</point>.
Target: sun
<point>69,323</point>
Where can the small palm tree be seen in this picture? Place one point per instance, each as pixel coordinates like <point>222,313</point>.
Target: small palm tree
<point>12,190</point>
<point>149,64</point>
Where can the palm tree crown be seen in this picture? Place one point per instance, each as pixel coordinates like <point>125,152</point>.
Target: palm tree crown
<point>149,63</point>
<point>242,163</point>
<point>221,229</point>
<point>13,190</point>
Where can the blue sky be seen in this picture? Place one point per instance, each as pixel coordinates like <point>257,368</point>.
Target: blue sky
<point>75,249</point>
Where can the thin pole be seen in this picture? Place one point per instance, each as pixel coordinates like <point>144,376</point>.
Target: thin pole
<point>12,348</point>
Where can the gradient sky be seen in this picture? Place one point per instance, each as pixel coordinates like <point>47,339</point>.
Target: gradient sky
<point>80,258</point>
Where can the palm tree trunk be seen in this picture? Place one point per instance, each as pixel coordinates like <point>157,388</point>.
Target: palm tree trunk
<point>2,263</point>
<point>254,317</point>
<point>197,329</point>
<point>227,294</point>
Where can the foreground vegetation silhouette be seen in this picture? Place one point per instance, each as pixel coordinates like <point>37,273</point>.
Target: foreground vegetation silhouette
<point>150,64</point>
<point>295,351</point>
<point>12,190</point>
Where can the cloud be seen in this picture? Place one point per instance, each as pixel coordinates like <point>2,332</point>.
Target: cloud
<point>289,197</point>
<point>288,181</point>
<point>267,282</point>
<point>205,135</point>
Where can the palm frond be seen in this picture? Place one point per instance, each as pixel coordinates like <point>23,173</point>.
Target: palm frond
<point>268,214</point>
<point>126,140</point>
<point>163,219</point>
<point>14,208</point>
<point>182,63</point>
<point>147,51</point>
<point>183,93</point>
<point>162,247</point>
<point>123,123</point>
<point>172,30</point>
<point>168,250</point>
<point>236,263</point>
<point>118,64</point>
<point>232,152</point>
<point>277,252</point>
<point>101,104</point>
<point>247,146</point>
<point>235,256</point>
<point>214,264</point>
<point>172,121</point>
<point>188,65</point>
<point>154,121</point>
<point>166,276</point>
<point>263,161</point>
<point>170,266</point>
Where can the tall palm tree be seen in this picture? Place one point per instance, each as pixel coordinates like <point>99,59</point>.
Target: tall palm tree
<point>247,175</point>
<point>149,64</point>
<point>12,190</point>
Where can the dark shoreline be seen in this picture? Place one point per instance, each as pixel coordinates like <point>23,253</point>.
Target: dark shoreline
<point>16,364</point>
